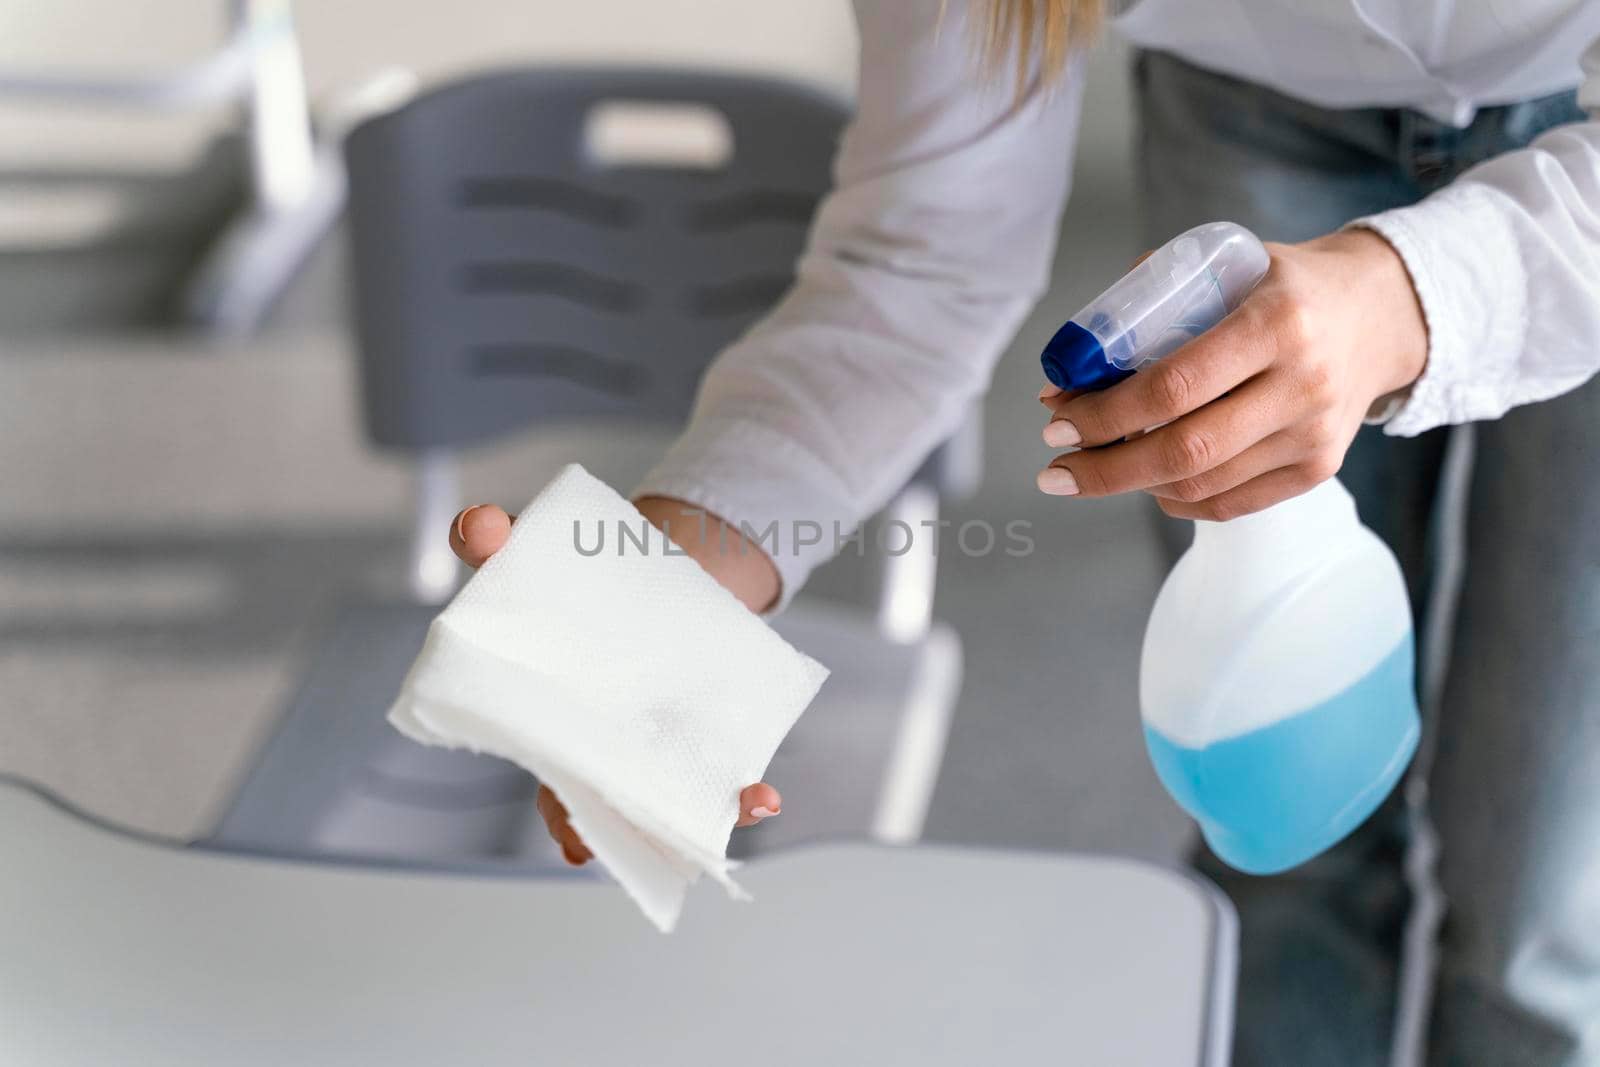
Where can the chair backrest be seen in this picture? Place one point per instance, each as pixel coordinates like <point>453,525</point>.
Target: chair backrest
<point>510,270</point>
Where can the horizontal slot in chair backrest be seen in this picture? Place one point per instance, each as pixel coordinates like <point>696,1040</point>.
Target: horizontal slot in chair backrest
<point>565,243</point>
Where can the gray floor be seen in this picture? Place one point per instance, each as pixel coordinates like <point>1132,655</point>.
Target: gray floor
<point>1047,749</point>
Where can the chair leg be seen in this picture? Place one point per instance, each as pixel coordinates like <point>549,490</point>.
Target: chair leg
<point>297,189</point>
<point>918,755</point>
<point>434,569</point>
<point>905,596</point>
<point>282,152</point>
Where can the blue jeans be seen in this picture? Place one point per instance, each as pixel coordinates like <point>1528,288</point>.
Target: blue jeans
<point>1502,813</point>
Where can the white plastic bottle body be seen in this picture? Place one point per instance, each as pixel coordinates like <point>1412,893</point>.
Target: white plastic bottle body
<point>1276,682</point>
<point>1277,677</point>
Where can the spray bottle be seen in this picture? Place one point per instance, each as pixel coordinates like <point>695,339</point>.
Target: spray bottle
<point>1276,682</point>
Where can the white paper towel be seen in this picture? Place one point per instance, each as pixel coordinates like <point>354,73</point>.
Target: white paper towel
<point>631,683</point>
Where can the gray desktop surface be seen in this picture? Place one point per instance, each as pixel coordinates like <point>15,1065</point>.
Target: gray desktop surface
<point>119,949</point>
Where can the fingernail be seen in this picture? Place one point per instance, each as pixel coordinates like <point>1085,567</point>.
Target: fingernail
<point>1049,391</point>
<point>1060,433</point>
<point>461,533</point>
<point>764,812</point>
<point>1057,481</point>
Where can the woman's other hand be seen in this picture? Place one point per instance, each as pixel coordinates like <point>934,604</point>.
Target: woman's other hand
<point>479,532</point>
<point>1263,406</point>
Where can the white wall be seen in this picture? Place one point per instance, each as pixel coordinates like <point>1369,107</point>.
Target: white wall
<point>809,39</point>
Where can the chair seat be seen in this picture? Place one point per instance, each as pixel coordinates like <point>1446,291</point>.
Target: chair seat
<point>336,781</point>
<point>864,758</point>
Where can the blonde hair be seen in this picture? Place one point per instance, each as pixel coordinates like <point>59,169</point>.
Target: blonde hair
<point>1046,30</point>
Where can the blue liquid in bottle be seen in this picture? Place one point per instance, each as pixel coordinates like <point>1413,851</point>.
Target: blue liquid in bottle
<point>1274,797</point>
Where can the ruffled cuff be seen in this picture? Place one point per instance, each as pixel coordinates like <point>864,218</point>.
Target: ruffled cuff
<point>1467,270</point>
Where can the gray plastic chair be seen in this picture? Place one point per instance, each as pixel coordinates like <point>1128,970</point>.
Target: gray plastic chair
<point>518,263</point>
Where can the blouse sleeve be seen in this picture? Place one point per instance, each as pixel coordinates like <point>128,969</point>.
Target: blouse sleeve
<point>1506,264</point>
<point>921,263</point>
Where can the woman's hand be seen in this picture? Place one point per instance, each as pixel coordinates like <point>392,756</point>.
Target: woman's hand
<point>479,532</point>
<point>1263,406</point>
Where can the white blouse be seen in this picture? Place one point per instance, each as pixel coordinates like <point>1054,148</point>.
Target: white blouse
<point>940,231</point>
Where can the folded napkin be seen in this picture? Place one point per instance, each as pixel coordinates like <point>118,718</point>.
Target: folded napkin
<point>624,677</point>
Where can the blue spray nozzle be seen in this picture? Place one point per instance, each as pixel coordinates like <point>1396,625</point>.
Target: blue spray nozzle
<point>1075,359</point>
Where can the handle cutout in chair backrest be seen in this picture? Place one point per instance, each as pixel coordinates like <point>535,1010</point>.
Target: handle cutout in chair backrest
<point>651,134</point>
